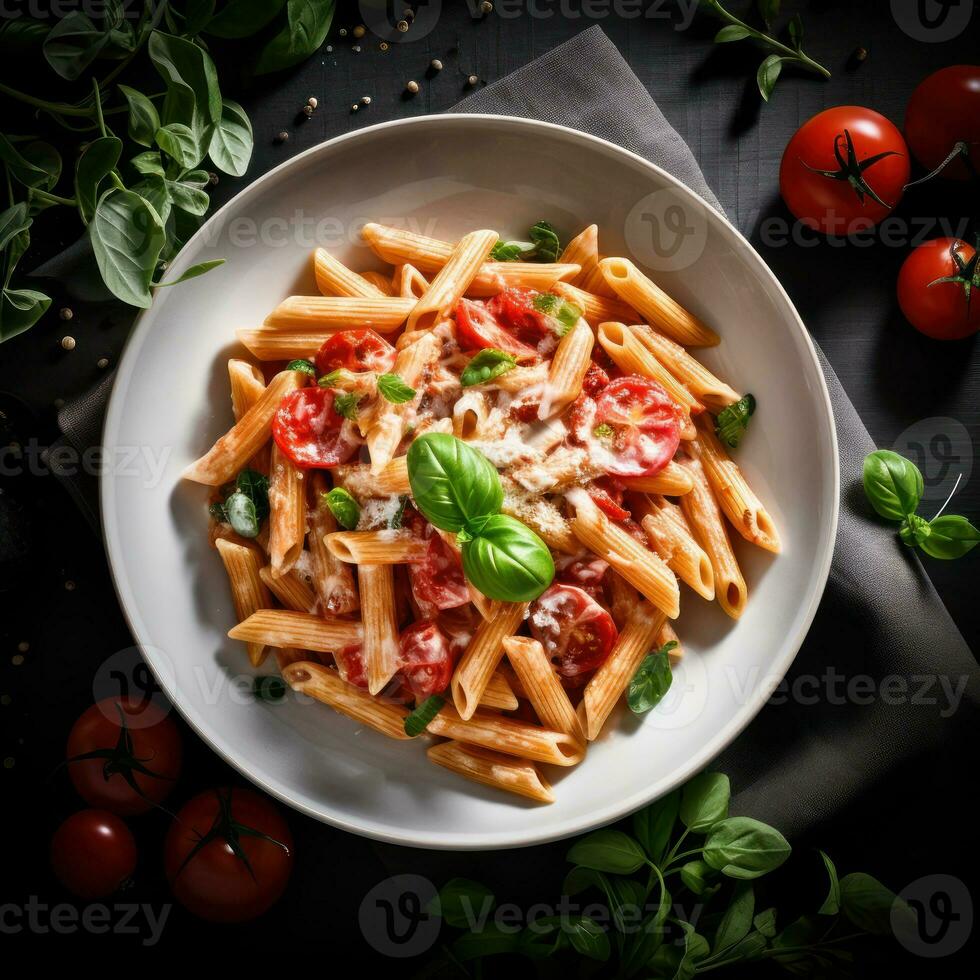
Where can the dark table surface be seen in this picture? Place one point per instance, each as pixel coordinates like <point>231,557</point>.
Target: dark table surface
<point>913,394</point>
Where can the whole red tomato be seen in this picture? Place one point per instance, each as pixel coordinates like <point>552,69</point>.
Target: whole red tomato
<point>945,110</point>
<point>844,170</point>
<point>124,755</point>
<point>939,289</point>
<point>93,853</point>
<point>228,855</point>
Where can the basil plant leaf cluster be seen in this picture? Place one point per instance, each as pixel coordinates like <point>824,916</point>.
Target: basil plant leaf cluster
<point>458,489</point>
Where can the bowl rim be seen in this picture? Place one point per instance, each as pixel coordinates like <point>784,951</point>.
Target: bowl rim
<point>559,830</point>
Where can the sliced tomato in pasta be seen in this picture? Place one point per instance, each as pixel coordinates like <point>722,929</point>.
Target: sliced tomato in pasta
<point>355,350</point>
<point>437,580</point>
<point>514,310</point>
<point>308,430</point>
<point>350,665</point>
<point>607,495</point>
<point>477,328</point>
<point>575,631</point>
<point>639,424</point>
<point>587,573</point>
<point>595,380</point>
<point>427,659</point>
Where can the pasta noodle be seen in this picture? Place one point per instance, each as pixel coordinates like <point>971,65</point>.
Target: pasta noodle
<point>248,591</point>
<point>492,769</point>
<point>333,278</point>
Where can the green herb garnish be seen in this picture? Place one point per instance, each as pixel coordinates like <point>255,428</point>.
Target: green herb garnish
<point>396,519</point>
<point>346,403</point>
<point>417,721</point>
<point>651,681</point>
<point>394,389</point>
<point>302,364</point>
<point>490,363</point>
<point>269,688</point>
<point>344,507</point>
<point>542,247</point>
<point>565,314</point>
<point>733,421</point>
<point>329,380</point>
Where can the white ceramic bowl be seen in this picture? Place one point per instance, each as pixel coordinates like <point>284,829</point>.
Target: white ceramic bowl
<point>444,175</point>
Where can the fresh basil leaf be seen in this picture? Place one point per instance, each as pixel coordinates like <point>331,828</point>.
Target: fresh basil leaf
<point>127,236</point>
<point>192,273</point>
<point>695,949</point>
<point>547,248</point>
<point>492,939</point>
<point>695,875</point>
<point>94,164</point>
<point>329,380</point>
<point>607,850</point>
<point>153,189</point>
<point>255,486</point>
<point>22,37</point>
<point>949,536</point>
<point>179,143</point>
<point>396,519</point>
<point>144,120</point>
<point>795,28</point>
<point>704,801</point>
<point>462,903</point>
<point>643,944</point>
<point>217,511</point>
<point>72,44</point>
<point>148,163</point>
<point>393,389</point>
<point>651,681</point>
<point>21,167</point>
<point>188,198</point>
<point>452,483</point>
<point>654,824</point>
<point>20,309</point>
<point>831,904</point>
<point>307,24</point>
<point>565,314</point>
<point>893,484</point>
<point>269,688</point>
<point>587,937</point>
<point>344,507</point>
<point>737,919</point>
<point>301,364</point>
<point>768,74</point>
<point>510,251</point>
<point>867,903</point>
<point>231,142</point>
<point>243,18</point>
<point>242,515</point>
<point>742,847</point>
<point>732,32</point>
<point>765,923</point>
<point>13,222</point>
<point>346,403</point>
<point>418,720</point>
<point>490,363</point>
<point>733,421</point>
<point>625,896</point>
<point>506,560</point>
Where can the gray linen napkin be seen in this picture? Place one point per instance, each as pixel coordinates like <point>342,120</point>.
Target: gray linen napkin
<point>880,622</point>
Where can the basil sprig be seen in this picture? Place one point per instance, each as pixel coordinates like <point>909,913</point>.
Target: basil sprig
<point>302,364</point>
<point>651,681</point>
<point>343,507</point>
<point>246,506</point>
<point>490,363</point>
<point>394,389</point>
<point>457,489</point>
<point>733,421</point>
<point>894,486</point>
<point>543,246</point>
<point>565,314</point>
<point>346,403</point>
<point>418,719</point>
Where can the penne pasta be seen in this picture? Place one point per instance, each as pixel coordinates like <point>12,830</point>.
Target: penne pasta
<point>358,479</point>
<point>287,512</point>
<point>385,547</point>
<point>498,694</point>
<point>541,684</point>
<point>571,360</point>
<point>672,481</point>
<point>286,628</point>
<point>380,649</point>
<point>583,251</point>
<point>408,282</point>
<point>654,305</point>
<point>595,308</point>
<point>248,592</point>
<point>380,281</point>
<point>672,539</point>
<point>705,519</point>
<point>289,589</point>
<point>492,769</point>
<point>333,278</point>
<point>333,580</point>
<point>305,313</point>
<point>247,385</point>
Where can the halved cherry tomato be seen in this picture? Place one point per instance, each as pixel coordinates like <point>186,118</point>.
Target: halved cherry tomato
<point>477,327</point>
<point>437,580</point>
<point>350,664</point>
<point>514,310</point>
<point>308,430</point>
<point>945,110</point>
<point>645,426</point>
<point>595,380</point>
<point>844,170</point>
<point>607,495</point>
<point>124,755</point>
<point>93,854</point>
<point>355,350</point>
<point>940,309</point>
<point>426,659</point>
<point>228,855</point>
<point>459,624</point>
<point>575,631</point>
<point>586,573</point>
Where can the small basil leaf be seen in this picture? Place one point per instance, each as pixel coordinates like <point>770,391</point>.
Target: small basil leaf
<point>462,903</point>
<point>547,248</point>
<point>490,363</point>
<point>269,688</point>
<point>231,142</point>
<point>94,164</point>
<point>695,875</point>
<point>192,273</point>
<point>508,561</point>
<point>418,720</point>
<point>451,482</point>
<point>510,251</point>
<point>242,515</point>
<point>732,32</point>
<point>178,142</point>
<point>765,923</point>
<point>148,163</point>
<point>737,919</point>
<point>394,389</point>
<point>345,404</point>
<point>305,30</point>
<point>344,507</point>
<point>587,937</point>
<point>302,364</point>
<point>733,421</point>
<point>144,120</point>
<point>565,314</point>
<point>654,824</point>
<point>742,847</point>
<point>187,198</point>
<point>768,74</point>
<point>329,380</point>
<point>950,536</point>
<point>867,903</point>
<point>255,486</point>
<point>396,519</point>
<point>20,309</point>
<point>607,850</point>
<point>72,44</point>
<point>651,681</point>
<point>704,801</point>
<point>892,483</point>
<point>831,904</point>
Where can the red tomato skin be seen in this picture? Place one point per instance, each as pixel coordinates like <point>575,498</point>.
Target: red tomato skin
<point>573,628</point>
<point>587,574</point>
<point>156,743</point>
<point>595,380</point>
<point>93,854</point>
<point>514,310</point>
<point>477,328</point>
<point>943,110</point>
<point>437,580</point>
<point>350,663</point>
<point>426,659</point>
<point>355,350</point>
<point>215,884</point>
<point>308,430</point>
<point>607,494</point>
<point>938,311</point>
<point>832,206</point>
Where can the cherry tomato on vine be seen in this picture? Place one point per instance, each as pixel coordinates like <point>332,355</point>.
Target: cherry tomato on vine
<point>124,755</point>
<point>844,170</point>
<point>945,110</point>
<point>228,855</point>
<point>93,854</point>
<point>939,289</point>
